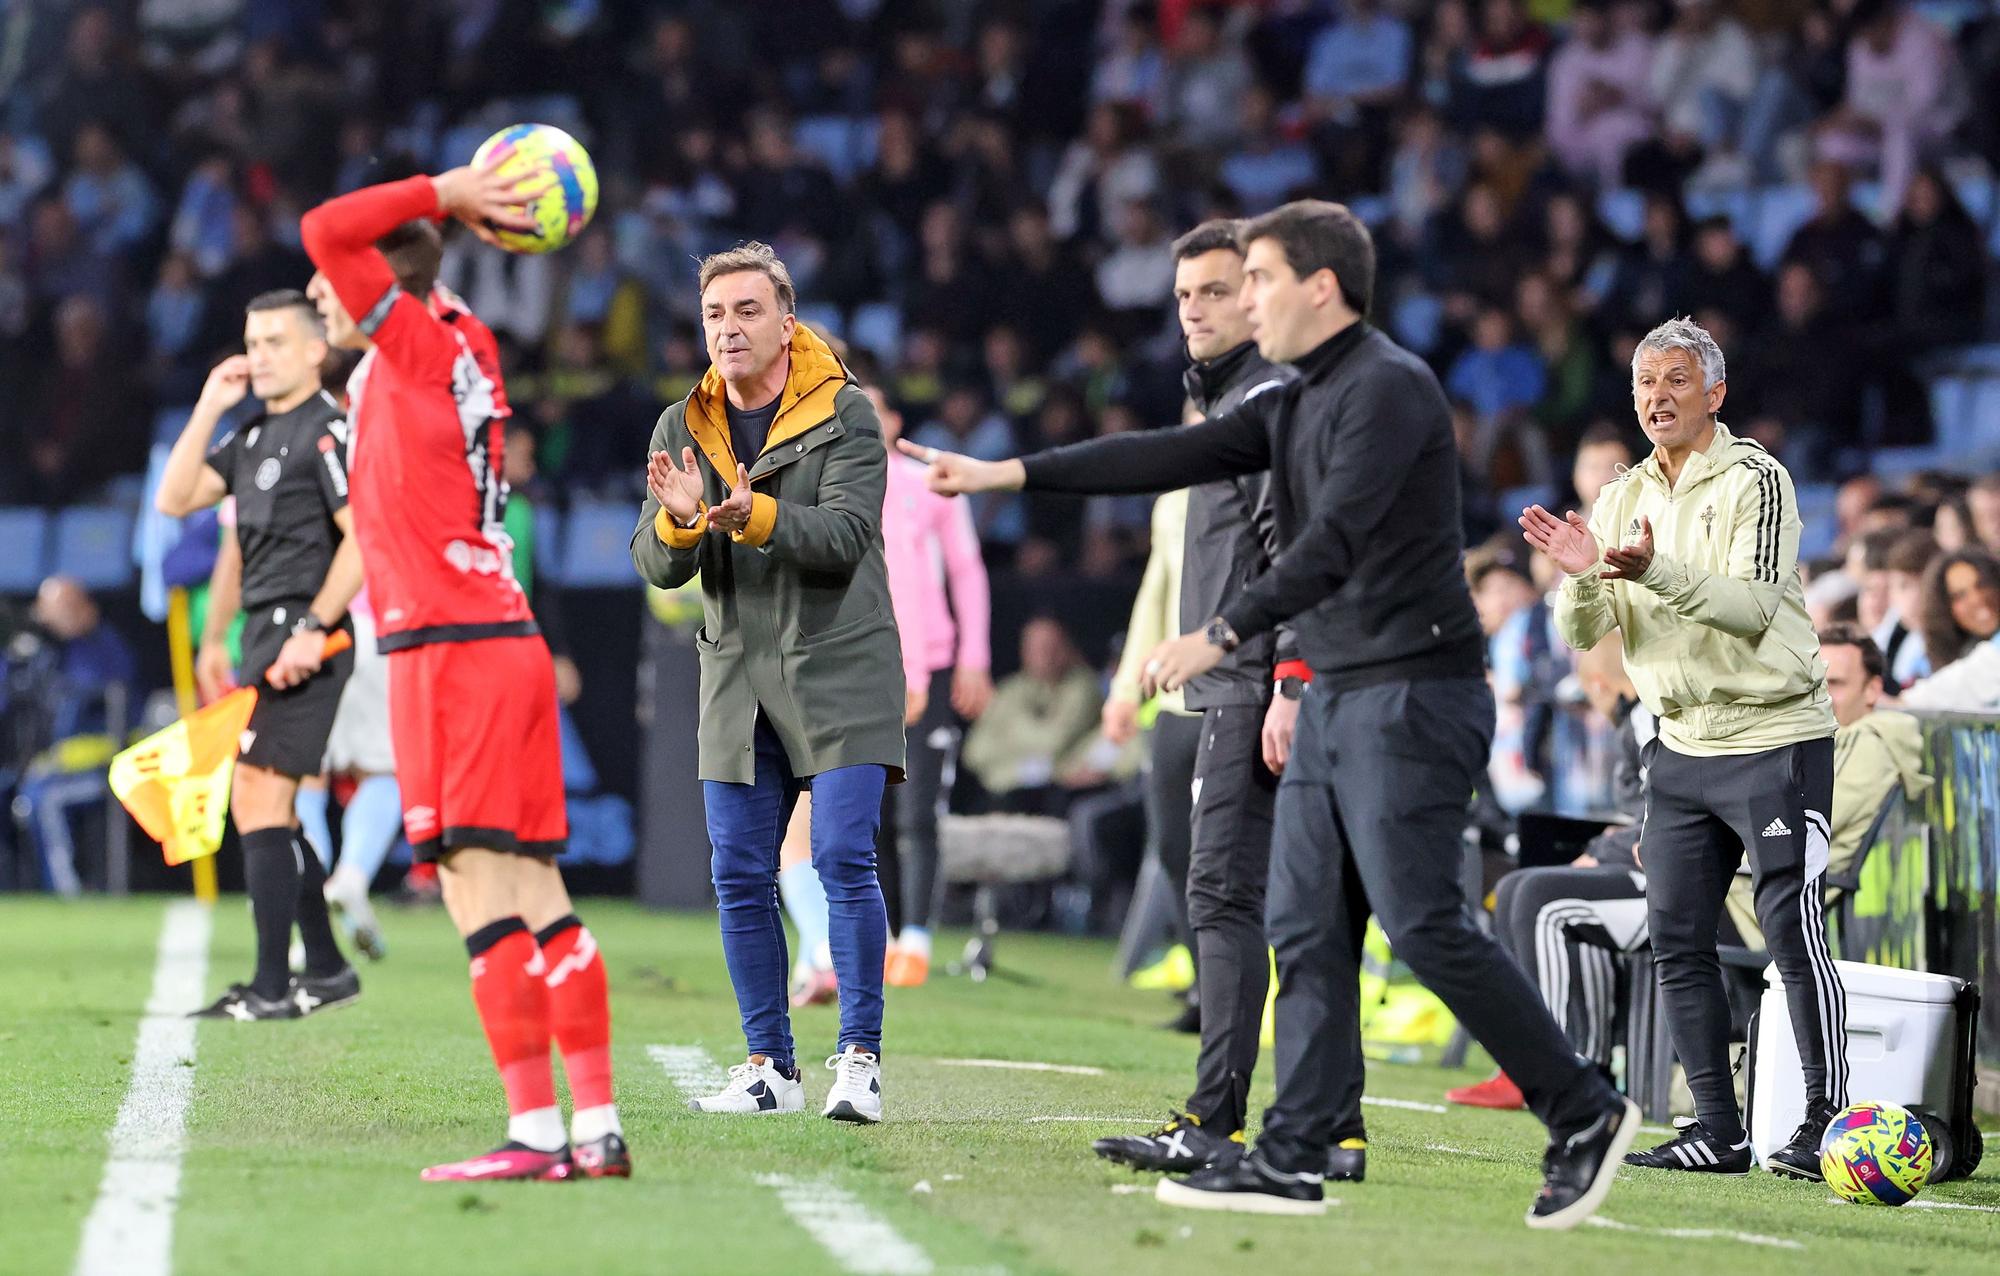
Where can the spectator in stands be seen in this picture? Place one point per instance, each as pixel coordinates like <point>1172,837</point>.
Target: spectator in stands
<point>1704,70</point>
<point>1599,94</point>
<point>1266,168</point>
<point>25,168</point>
<point>1868,567</point>
<point>107,194</point>
<point>1840,245</point>
<point>1207,75</point>
<point>1799,369</point>
<point>1983,497</point>
<point>1133,69</point>
<point>1933,299</point>
<point>948,290</point>
<point>1602,454</point>
<point>1354,77</point>
<point>1899,636</point>
<point>1425,173</point>
<point>1851,505</point>
<point>1136,278</point>
<point>1721,276</point>
<point>1503,83</point>
<point>1961,618</point>
<point>97,81</point>
<point>1100,172</point>
<point>1901,96</point>
<point>78,665</point>
<point>1568,355</point>
<point>1951,524</point>
<point>1499,376</point>
<point>1036,745</point>
<point>87,419</point>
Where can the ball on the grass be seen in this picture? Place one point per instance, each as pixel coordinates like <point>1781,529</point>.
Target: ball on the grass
<point>561,213</point>
<point>1876,1154</point>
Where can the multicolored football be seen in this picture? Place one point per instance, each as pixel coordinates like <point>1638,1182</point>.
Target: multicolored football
<point>526,150</point>
<point>1876,1154</point>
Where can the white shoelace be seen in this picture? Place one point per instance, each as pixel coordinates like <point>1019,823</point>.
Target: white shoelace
<point>851,1067</point>
<point>741,1077</point>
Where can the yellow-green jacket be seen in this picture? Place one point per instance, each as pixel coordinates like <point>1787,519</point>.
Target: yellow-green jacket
<point>1716,635</point>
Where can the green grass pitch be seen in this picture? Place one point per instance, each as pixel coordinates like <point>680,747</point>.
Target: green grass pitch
<point>304,1139</point>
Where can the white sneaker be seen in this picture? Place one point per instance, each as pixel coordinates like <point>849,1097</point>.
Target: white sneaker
<point>756,1088</point>
<point>347,895</point>
<point>857,1087</point>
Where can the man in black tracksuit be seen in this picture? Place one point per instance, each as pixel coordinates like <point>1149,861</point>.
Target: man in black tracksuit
<point>1393,732</point>
<point>1231,537</point>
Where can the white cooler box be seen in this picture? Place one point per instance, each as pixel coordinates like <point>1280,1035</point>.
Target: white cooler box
<point>1909,1042</point>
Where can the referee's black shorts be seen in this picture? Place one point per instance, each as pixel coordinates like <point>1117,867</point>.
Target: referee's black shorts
<point>288,731</point>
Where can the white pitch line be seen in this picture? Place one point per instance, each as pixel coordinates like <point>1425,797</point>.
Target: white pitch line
<point>1954,1205</point>
<point>689,1068</point>
<point>130,1231</point>
<point>1406,1104</point>
<point>1093,1120</point>
<point>1695,1233</point>
<point>1023,1065</point>
<point>860,1240</point>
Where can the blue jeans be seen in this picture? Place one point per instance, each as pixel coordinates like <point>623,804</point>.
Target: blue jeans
<point>746,826</point>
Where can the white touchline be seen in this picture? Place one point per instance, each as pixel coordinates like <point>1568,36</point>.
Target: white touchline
<point>689,1068</point>
<point>1953,1205</point>
<point>860,1241</point>
<point>1694,1233</point>
<point>1023,1065</point>
<point>1407,1104</point>
<point>130,1231</point>
<point>1106,1120</point>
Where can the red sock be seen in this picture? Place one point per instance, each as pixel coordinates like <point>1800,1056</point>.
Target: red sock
<point>579,1009</point>
<point>513,1005</point>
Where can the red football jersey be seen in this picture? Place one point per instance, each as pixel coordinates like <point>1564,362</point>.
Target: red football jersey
<point>428,437</point>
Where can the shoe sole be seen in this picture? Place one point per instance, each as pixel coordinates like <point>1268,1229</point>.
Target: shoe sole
<point>694,1105</point>
<point>325,1006</point>
<point>1143,1167</point>
<point>1780,1170</point>
<point>1172,1193</point>
<point>845,1111</point>
<point>1600,1187</point>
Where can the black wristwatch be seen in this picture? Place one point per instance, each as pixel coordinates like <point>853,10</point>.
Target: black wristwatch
<point>309,624</point>
<point>1219,634</point>
<point>1292,688</point>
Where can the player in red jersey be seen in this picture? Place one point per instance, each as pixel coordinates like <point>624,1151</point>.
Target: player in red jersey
<point>471,683</point>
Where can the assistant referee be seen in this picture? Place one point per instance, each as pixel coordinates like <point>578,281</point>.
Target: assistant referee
<point>1392,733</point>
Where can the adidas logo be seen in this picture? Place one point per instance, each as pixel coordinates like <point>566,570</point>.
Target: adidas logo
<point>1776,828</point>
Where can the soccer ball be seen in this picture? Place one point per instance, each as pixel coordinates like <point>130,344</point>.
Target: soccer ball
<point>525,150</point>
<point>1876,1154</point>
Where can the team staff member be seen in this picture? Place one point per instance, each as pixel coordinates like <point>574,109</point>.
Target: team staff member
<point>802,682</point>
<point>300,568</point>
<point>1392,734</point>
<point>1693,557</point>
<point>472,694</point>
<point>1249,706</point>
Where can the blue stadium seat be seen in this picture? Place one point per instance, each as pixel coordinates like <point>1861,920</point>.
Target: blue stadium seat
<point>597,546</point>
<point>1512,500</point>
<point>1373,210</point>
<point>877,327</point>
<point>548,541</point>
<point>1623,212</point>
<point>844,144</point>
<point>93,543</point>
<point>1894,463</point>
<point>827,321</point>
<point>1818,511</point>
<point>24,545</point>
<point>1415,321</point>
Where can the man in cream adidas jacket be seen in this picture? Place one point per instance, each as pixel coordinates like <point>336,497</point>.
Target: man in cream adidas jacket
<point>1693,556</point>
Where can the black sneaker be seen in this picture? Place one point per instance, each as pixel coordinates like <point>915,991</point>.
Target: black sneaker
<point>1181,1146</point>
<point>1187,1021</point>
<point>1577,1171</point>
<point>1246,1185</point>
<point>1799,1159</point>
<point>1696,1150</point>
<point>1347,1161</point>
<point>243,1002</point>
<point>316,993</point>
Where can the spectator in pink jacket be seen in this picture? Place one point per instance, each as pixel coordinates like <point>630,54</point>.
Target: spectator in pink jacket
<point>937,584</point>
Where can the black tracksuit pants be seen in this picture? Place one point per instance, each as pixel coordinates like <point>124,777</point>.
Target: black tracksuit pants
<point>1170,804</point>
<point>1370,814</point>
<point>930,751</point>
<point>1702,815</point>
<point>1234,798</point>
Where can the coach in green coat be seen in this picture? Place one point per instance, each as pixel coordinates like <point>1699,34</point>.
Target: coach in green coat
<point>768,481</point>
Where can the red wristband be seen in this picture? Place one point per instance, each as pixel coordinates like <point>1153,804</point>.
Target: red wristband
<point>1293,669</point>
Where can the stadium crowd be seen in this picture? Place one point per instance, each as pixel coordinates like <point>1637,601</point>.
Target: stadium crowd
<point>977,199</point>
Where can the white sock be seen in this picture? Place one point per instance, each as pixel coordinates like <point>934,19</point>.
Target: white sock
<point>538,1128</point>
<point>916,939</point>
<point>594,1123</point>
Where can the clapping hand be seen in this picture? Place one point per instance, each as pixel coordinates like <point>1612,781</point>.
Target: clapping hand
<point>733,515</point>
<point>1567,541</point>
<point>1631,561</point>
<point>676,487</point>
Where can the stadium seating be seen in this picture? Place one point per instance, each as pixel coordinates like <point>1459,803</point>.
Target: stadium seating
<point>596,546</point>
<point>24,532</point>
<point>93,543</point>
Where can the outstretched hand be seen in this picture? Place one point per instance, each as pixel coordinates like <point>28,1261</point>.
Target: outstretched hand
<point>1567,541</point>
<point>1630,562</point>
<point>676,487</point>
<point>733,515</point>
<point>954,475</point>
<point>483,199</point>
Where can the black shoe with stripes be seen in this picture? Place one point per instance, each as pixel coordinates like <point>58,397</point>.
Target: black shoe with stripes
<point>1799,1159</point>
<point>1696,1150</point>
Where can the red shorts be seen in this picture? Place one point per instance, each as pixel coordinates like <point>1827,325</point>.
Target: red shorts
<point>478,748</point>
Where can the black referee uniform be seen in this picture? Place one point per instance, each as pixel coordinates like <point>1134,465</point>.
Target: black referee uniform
<point>288,474</point>
<point>1393,733</point>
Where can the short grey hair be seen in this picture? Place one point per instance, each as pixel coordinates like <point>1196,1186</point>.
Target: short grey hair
<point>1691,339</point>
<point>752,256</point>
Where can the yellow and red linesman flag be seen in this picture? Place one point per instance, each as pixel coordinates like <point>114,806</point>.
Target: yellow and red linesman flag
<point>175,782</point>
